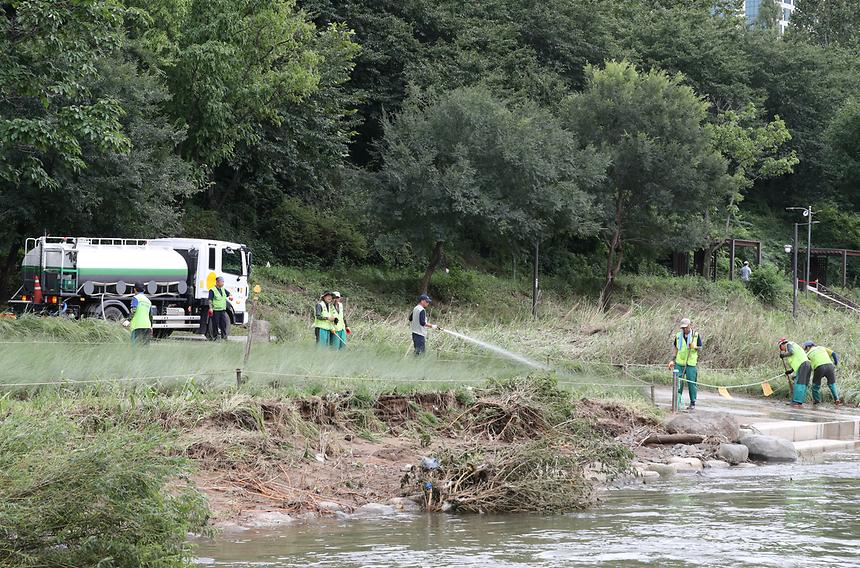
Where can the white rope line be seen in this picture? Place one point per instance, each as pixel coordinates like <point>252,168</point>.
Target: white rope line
<point>114,380</point>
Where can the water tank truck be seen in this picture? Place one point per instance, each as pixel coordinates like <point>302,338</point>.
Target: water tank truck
<point>94,277</point>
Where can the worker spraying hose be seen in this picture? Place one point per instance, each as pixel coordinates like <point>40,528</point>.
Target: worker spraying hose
<point>798,363</point>
<point>419,324</point>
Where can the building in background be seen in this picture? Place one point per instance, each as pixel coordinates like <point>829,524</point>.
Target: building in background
<point>786,7</point>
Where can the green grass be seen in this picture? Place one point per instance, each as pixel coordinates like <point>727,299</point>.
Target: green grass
<point>572,335</point>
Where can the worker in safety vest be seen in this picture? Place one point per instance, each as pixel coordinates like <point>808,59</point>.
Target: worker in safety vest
<point>419,324</point>
<point>141,320</point>
<point>218,297</point>
<point>798,364</point>
<point>341,329</point>
<point>823,361</point>
<point>324,320</point>
<point>687,345</point>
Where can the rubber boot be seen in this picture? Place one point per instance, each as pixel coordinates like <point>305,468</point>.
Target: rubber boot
<point>816,393</point>
<point>834,392</point>
<point>799,394</point>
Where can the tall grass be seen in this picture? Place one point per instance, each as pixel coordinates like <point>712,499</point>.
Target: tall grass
<point>738,331</point>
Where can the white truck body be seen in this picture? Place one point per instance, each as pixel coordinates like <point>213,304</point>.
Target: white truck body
<point>95,277</point>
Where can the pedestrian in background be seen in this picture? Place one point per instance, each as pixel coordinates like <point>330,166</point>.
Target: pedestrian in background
<point>746,272</point>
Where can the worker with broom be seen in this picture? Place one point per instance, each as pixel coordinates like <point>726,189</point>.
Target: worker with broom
<point>823,361</point>
<point>687,345</point>
<point>795,360</point>
<point>419,324</point>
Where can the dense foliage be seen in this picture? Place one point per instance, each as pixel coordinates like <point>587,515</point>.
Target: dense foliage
<point>424,132</point>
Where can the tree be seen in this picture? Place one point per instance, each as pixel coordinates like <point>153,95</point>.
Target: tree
<point>827,22</point>
<point>842,154</point>
<point>237,64</point>
<point>664,171</point>
<point>703,40</point>
<point>464,164</point>
<point>754,151</point>
<point>48,111</point>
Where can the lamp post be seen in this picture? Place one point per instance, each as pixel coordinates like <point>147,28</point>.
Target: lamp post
<point>806,212</point>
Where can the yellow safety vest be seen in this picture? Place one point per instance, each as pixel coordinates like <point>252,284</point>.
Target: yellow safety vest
<point>322,321</point>
<point>337,311</point>
<point>686,356</point>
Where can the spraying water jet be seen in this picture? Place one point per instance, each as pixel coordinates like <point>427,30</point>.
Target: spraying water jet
<point>495,349</point>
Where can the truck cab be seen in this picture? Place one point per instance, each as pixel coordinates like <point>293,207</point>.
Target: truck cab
<point>213,259</point>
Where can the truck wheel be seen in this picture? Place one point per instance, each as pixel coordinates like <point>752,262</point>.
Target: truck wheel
<point>113,313</point>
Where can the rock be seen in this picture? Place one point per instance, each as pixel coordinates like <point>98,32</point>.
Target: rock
<point>718,424</point>
<point>268,519</point>
<point>261,330</point>
<point>374,510</point>
<point>769,448</point>
<point>446,506</point>
<point>330,506</point>
<point>733,453</point>
<point>650,475</point>
<point>717,464</point>
<point>404,504</point>
<point>745,465</point>
<point>664,470</point>
<point>687,464</point>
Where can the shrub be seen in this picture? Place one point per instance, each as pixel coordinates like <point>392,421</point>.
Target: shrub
<point>768,284</point>
<point>70,497</point>
<point>455,285</point>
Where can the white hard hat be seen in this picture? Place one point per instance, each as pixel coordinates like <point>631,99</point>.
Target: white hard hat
<point>685,322</point>
<point>336,294</point>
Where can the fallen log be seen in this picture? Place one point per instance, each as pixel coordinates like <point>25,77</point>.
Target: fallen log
<point>673,439</point>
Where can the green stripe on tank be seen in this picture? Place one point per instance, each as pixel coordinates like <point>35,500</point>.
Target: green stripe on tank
<point>134,271</point>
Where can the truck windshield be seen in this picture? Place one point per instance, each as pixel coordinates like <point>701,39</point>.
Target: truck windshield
<point>231,262</point>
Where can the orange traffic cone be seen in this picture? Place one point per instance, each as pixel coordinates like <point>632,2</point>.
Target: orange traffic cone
<point>37,291</point>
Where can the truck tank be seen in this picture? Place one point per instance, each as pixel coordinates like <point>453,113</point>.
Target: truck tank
<point>100,265</point>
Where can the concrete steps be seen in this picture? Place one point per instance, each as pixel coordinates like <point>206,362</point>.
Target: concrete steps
<point>812,438</point>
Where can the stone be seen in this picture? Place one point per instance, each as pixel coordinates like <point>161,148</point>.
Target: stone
<point>733,453</point>
<point>769,448</point>
<point>268,519</point>
<point>711,424</point>
<point>745,465</point>
<point>650,475</point>
<point>664,470</point>
<point>405,504</point>
<point>717,464</point>
<point>261,330</point>
<point>329,506</point>
<point>374,509</point>
<point>687,464</point>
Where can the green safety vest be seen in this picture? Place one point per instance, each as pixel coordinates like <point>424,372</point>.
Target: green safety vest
<point>140,319</point>
<point>686,356</point>
<point>219,299</point>
<point>819,355</point>
<point>797,358</point>
<point>322,322</point>
<point>337,311</point>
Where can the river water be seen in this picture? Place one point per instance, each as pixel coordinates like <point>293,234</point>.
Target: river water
<point>800,515</point>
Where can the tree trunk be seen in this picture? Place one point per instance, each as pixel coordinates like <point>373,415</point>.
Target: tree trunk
<point>707,259</point>
<point>613,267</point>
<point>6,269</point>
<point>435,259</point>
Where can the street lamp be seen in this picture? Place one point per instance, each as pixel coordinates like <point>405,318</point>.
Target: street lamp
<point>806,212</point>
